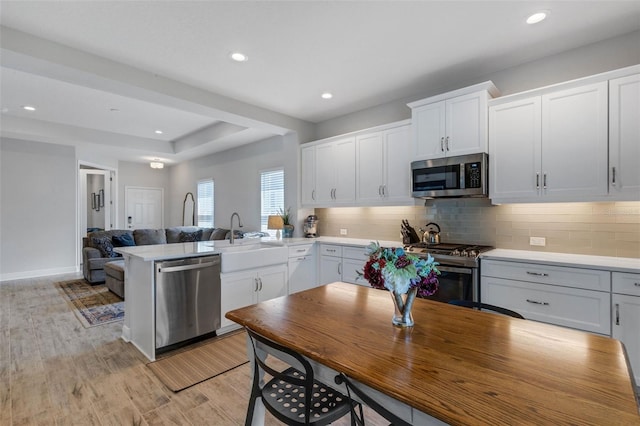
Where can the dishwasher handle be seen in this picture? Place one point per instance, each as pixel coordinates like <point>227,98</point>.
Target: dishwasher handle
<point>187,267</point>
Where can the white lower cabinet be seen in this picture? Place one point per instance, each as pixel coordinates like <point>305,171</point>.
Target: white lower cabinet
<point>625,302</point>
<point>570,297</point>
<point>302,268</point>
<point>244,288</point>
<point>341,263</point>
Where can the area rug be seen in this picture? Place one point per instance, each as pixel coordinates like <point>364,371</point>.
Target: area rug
<point>92,304</point>
<point>192,366</point>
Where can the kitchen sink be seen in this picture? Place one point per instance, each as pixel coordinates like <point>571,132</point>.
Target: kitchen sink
<point>249,256</point>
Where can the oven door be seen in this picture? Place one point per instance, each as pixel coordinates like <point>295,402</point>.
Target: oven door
<point>456,283</point>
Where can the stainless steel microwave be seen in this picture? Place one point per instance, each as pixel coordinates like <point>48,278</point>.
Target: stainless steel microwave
<point>458,176</point>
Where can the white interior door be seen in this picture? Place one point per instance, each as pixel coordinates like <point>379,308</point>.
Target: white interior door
<point>143,208</point>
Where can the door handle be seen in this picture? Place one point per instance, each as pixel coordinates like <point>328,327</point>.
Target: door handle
<point>613,178</point>
<point>537,180</point>
<point>442,144</point>
<point>535,302</point>
<point>340,268</point>
<point>313,195</point>
<point>538,274</point>
<point>446,143</point>
<point>255,281</point>
<point>544,181</point>
<point>260,283</point>
<point>617,314</point>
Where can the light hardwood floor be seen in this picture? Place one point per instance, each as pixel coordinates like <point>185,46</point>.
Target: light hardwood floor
<point>53,371</point>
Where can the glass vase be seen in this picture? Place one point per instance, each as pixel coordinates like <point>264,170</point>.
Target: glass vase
<point>403,303</point>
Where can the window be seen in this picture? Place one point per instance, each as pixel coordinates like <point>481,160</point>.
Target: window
<point>272,196</point>
<point>205,203</point>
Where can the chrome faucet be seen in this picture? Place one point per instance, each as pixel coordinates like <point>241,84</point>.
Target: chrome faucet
<point>231,238</point>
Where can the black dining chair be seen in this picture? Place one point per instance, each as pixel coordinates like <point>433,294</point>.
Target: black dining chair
<point>292,395</point>
<point>358,418</point>
<point>485,306</point>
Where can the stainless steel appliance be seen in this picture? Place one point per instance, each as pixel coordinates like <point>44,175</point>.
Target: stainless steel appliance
<point>187,299</point>
<point>459,176</point>
<point>459,267</point>
<point>311,226</point>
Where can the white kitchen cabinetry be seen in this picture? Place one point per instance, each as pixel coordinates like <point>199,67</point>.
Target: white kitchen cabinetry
<point>302,268</point>
<point>308,177</point>
<point>624,137</point>
<point>570,297</point>
<point>342,263</point>
<point>625,302</point>
<point>551,147</point>
<point>244,288</point>
<point>453,123</point>
<point>382,167</point>
<point>335,172</point>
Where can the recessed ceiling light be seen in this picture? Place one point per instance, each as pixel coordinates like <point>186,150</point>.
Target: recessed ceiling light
<point>239,57</point>
<point>326,95</point>
<point>159,132</point>
<point>29,108</point>
<point>537,17</point>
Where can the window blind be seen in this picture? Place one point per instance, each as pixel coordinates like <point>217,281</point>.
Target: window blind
<point>272,196</point>
<point>205,203</point>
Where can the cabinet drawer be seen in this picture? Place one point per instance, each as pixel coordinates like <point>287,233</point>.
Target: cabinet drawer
<point>586,310</point>
<point>626,283</point>
<point>357,253</point>
<point>301,250</point>
<point>588,279</point>
<point>331,250</point>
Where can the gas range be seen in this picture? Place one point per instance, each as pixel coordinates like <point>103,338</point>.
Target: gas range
<point>451,254</point>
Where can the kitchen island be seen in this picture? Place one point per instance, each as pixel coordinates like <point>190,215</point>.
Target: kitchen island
<point>456,365</point>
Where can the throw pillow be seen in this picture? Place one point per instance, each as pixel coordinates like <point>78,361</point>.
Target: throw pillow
<point>145,237</point>
<point>124,240</point>
<point>105,246</point>
<point>189,237</point>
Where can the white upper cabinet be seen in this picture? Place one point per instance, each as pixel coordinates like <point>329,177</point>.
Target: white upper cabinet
<point>365,168</point>
<point>624,137</point>
<point>335,172</point>
<point>453,123</point>
<point>574,143</point>
<point>382,167</point>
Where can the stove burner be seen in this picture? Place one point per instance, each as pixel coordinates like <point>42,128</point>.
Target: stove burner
<point>448,249</point>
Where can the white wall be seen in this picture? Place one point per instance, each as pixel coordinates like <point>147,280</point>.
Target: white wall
<point>607,55</point>
<point>37,208</point>
<point>236,175</point>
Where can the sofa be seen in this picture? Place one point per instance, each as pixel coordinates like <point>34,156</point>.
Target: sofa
<point>98,249</point>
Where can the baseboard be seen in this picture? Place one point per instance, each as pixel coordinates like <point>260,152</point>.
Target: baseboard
<point>38,273</point>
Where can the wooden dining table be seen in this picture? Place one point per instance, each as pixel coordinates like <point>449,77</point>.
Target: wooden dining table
<point>455,365</point>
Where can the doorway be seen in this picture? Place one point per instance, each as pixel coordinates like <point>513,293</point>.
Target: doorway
<point>144,208</point>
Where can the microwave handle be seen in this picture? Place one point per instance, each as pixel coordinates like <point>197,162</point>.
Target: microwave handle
<point>462,177</point>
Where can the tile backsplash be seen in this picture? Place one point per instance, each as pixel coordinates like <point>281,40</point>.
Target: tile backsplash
<point>605,229</point>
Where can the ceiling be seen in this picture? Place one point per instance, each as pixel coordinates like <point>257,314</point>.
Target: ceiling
<point>111,73</point>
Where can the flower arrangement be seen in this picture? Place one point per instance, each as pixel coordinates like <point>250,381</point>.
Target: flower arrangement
<point>398,271</point>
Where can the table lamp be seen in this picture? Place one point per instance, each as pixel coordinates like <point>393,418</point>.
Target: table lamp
<point>275,222</point>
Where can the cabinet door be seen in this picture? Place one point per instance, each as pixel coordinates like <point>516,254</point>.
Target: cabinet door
<point>624,137</point>
<point>237,290</point>
<point>369,168</point>
<point>428,123</point>
<point>397,173</point>
<point>324,174</point>
<point>344,162</point>
<point>625,320</point>
<point>302,273</point>
<point>272,283</point>
<point>466,124</point>
<point>330,269</point>
<point>514,149</point>
<point>308,185</point>
<point>574,143</point>
<point>350,269</point>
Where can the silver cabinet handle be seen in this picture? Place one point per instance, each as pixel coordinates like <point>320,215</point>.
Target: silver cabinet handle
<point>535,302</point>
<point>617,314</point>
<point>301,258</point>
<point>613,178</point>
<point>380,190</point>
<point>544,181</point>
<point>313,195</point>
<point>340,268</point>
<point>636,284</point>
<point>331,250</point>
<point>537,180</point>
<point>442,144</point>
<point>538,274</point>
<point>446,143</point>
<point>260,281</point>
<point>255,281</point>
<point>301,250</point>
<point>384,190</point>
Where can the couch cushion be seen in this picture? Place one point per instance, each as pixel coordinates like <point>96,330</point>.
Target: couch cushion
<point>189,237</point>
<point>98,234</point>
<point>124,240</point>
<point>173,234</point>
<point>219,234</point>
<point>145,237</point>
<point>115,269</point>
<point>105,246</point>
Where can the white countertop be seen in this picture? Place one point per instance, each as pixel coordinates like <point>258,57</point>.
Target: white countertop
<point>171,251</point>
<point>609,263</point>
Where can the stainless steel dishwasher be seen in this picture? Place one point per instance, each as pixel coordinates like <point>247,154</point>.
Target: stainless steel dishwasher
<point>187,299</point>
